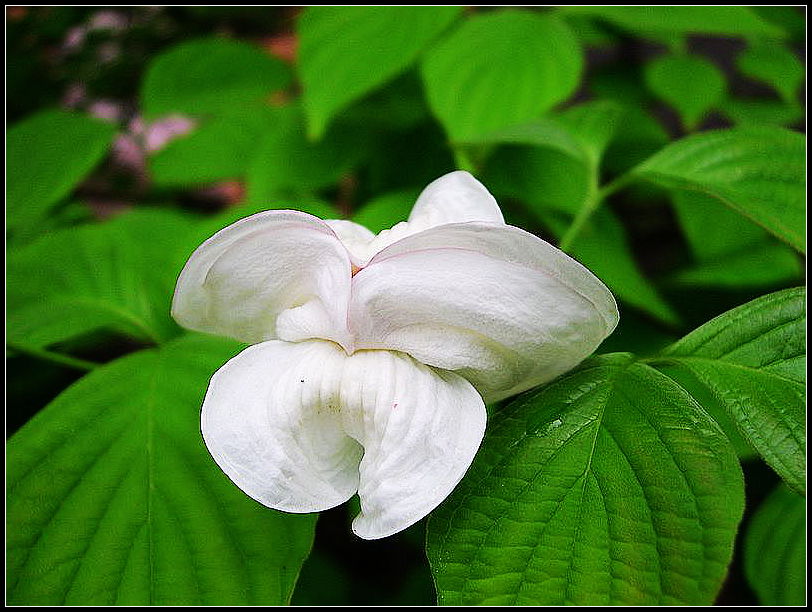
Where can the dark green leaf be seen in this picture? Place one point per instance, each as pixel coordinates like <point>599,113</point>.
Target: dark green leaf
<point>774,550</point>
<point>386,211</point>
<point>48,155</point>
<point>690,84</point>
<point>763,264</point>
<point>347,51</point>
<point>608,486</point>
<point>746,111</point>
<point>500,69</point>
<point>210,75</point>
<point>113,499</point>
<point>757,171</point>
<point>752,359</point>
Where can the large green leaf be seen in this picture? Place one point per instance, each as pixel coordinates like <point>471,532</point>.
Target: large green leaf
<point>48,155</point>
<point>219,149</point>
<point>773,63</point>
<point>117,275</point>
<point>500,69</point>
<point>347,51</point>
<point>113,499</point>
<point>689,84</point>
<point>210,75</point>
<point>608,486</point>
<point>752,360</point>
<point>714,20</point>
<point>775,551</point>
<point>757,171</point>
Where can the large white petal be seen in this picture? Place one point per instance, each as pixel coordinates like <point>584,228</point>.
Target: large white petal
<point>420,430</point>
<point>502,307</point>
<point>456,197</point>
<point>274,274</point>
<point>272,420</point>
<point>289,423</point>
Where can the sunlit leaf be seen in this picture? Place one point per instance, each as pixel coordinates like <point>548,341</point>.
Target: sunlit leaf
<point>610,486</point>
<point>210,75</point>
<point>753,360</point>
<point>500,69</point>
<point>347,51</point>
<point>775,551</point>
<point>48,156</point>
<point>113,499</point>
<point>757,171</point>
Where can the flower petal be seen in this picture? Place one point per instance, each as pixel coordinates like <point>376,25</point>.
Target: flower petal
<point>355,238</point>
<point>456,197</point>
<point>500,306</point>
<point>272,422</point>
<point>289,423</point>
<point>274,274</point>
<point>420,430</point>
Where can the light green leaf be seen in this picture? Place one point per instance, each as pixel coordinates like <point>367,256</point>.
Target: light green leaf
<point>210,75</point>
<point>752,359</point>
<point>287,163</point>
<point>774,550</point>
<point>659,20</point>
<point>117,275</point>
<point>347,51</point>
<point>776,65</point>
<point>500,69</point>
<point>113,499</point>
<point>609,486</point>
<point>757,171</point>
<point>219,149</point>
<point>48,156</point>
<point>690,84</point>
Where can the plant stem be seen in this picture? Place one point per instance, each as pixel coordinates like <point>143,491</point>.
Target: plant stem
<point>58,358</point>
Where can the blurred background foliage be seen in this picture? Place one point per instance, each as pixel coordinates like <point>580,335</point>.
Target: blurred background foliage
<point>136,132</point>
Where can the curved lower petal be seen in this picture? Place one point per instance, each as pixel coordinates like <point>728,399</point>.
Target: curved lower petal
<point>272,421</point>
<point>420,430</point>
<point>275,274</point>
<point>456,197</point>
<point>500,306</point>
<point>301,426</point>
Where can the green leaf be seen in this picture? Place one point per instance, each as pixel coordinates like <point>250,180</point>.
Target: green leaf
<point>582,132</point>
<point>219,149</point>
<point>731,250</point>
<point>500,69</point>
<point>690,84</point>
<point>757,171</point>
<point>747,111</point>
<point>210,75</point>
<point>48,156</point>
<point>113,499</point>
<point>610,486</point>
<point>287,163</point>
<point>117,275</point>
<point>659,20</point>
<point>776,65</point>
<point>752,359</point>
<point>774,550</point>
<point>347,51</point>
<point>386,211</point>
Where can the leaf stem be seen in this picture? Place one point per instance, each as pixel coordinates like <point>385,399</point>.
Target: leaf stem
<point>58,358</point>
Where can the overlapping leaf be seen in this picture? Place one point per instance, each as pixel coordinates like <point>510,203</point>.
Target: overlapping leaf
<point>608,486</point>
<point>113,499</point>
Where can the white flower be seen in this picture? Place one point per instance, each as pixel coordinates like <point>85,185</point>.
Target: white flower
<point>373,356</point>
